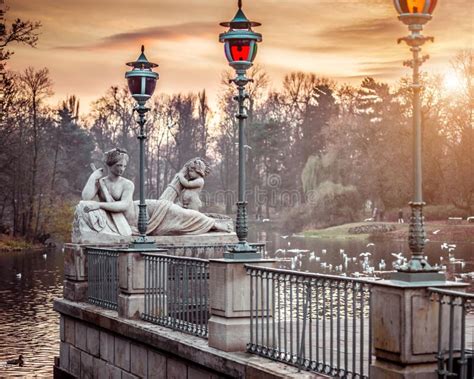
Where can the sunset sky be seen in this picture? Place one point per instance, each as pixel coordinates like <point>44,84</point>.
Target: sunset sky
<point>85,43</point>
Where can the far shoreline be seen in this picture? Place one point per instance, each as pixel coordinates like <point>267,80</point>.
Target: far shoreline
<point>436,231</point>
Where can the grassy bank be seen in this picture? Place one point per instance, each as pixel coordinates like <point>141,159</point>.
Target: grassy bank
<point>435,231</point>
<point>8,243</point>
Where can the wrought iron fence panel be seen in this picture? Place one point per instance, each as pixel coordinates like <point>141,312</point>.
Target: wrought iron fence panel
<point>103,279</point>
<point>177,293</point>
<point>453,356</point>
<point>317,322</point>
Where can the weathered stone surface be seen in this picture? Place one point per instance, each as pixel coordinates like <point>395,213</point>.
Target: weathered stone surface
<point>98,368</point>
<point>64,356</point>
<point>131,306</point>
<point>404,323</point>
<point>75,262</point>
<point>195,373</point>
<point>131,272</point>
<point>229,334</point>
<point>197,239</point>
<point>122,353</point>
<point>61,328</point>
<point>75,291</point>
<point>139,360</point>
<point>93,341</point>
<point>81,336</point>
<point>107,346</point>
<point>74,361</point>
<point>176,369</point>
<point>229,287</point>
<point>388,370</point>
<point>156,365</point>
<point>127,375</point>
<point>112,372</point>
<point>69,330</point>
<point>86,366</point>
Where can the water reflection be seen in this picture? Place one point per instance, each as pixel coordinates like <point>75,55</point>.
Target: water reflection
<point>29,281</point>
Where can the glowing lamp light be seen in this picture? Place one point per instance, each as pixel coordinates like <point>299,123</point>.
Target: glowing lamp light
<point>415,6</point>
<point>240,41</point>
<point>141,78</point>
<point>413,12</point>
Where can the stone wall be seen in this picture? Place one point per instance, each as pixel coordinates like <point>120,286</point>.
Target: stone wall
<point>90,352</point>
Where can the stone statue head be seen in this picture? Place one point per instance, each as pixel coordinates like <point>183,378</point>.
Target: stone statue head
<point>115,155</point>
<point>199,165</point>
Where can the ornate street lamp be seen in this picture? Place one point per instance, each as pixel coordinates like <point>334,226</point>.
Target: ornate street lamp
<point>415,13</point>
<point>240,46</point>
<point>141,83</point>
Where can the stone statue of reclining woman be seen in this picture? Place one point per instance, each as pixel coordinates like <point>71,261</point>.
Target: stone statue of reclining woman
<point>116,214</point>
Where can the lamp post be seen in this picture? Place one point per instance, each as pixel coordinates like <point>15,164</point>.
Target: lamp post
<point>240,45</point>
<point>416,13</point>
<point>141,83</point>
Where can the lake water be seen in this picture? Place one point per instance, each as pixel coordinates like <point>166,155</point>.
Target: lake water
<point>29,325</point>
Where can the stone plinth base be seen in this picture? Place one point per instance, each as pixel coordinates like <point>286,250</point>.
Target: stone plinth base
<point>92,238</point>
<point>75,291</point>
<point>131,306</point>
<point>387,370</point>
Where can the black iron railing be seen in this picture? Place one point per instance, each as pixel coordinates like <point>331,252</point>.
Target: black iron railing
<point>103,280</point>
<point>454,357</point>
<point>317,322</point>
<point>177,292</point>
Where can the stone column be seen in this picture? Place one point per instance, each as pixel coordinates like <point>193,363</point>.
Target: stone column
<point>405,329</point>
<point>75,272</point>
<point>229,299</point>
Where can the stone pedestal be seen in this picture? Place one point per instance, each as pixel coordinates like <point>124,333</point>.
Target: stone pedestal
<point>75,273</point>
<point>229,298</point>
<point>131,267</point>
<point>405,329</point>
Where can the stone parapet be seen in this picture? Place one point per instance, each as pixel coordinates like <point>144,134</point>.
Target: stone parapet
<point>111,346</point>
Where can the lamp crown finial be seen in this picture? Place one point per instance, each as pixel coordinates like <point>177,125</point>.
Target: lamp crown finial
<point>240,4</point>
<point>143,48</point>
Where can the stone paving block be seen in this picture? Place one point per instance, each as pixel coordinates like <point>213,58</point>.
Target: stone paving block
<point>69,330</point>
<point>81,336</point>
<point>127,375</point>
<point>122,353</point>
<point>107,346</point>
<point>74,361</point>
<point>86,366</point>
<point>111,372</point>
<point>156,365</point>
<point>64,356</point>
<point>98,368</point>
<point>139,360</point>
<point>176,369</point>
<point>93,341</point>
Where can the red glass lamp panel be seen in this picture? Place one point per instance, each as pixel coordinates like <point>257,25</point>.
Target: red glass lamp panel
<point>135,85</point>
<point>240,50</point>
<point>150,86</point>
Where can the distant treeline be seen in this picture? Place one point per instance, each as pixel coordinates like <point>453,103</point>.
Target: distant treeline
<point>317,150</point>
